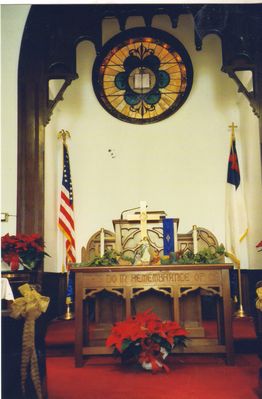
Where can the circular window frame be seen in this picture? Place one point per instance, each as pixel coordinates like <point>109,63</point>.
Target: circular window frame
<point>121,40</point>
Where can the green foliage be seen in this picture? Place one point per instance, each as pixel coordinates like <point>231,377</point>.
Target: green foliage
<point>126,344</point>
<point>206,255</point>
<point>110,258</point>
<point>180,341</point>
<point>130,350</point>
<point>186,258</point>
<point>128,258</point>
<point>165,260</point>
<point>162,342</point>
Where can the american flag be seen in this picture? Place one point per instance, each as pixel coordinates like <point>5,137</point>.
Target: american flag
<point>66,211</point>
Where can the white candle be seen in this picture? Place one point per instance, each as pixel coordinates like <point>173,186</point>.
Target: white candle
<point>102,242</point>
<point>195,239</point>
<point>175,237</point>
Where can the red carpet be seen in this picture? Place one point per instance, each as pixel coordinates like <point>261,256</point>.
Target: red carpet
<point>62,332</point>
<point>190,378</point>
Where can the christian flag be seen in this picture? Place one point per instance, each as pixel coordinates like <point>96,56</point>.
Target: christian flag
<point>236,216</point>
<point>66,218</point>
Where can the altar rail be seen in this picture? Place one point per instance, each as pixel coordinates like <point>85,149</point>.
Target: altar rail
<point>176,281</point>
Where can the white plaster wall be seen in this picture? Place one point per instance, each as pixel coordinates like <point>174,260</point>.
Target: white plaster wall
<point>178,165</point>
<point>13,19</point>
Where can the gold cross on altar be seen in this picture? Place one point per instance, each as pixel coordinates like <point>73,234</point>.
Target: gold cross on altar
<point>143,219</point>
<point>233,127</point>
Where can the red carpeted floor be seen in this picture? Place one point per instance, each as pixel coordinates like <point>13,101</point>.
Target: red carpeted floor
<point>61,332</point>
<point>190,377</point>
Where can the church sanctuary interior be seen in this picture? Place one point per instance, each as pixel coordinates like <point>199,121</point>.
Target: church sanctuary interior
<point>131,210</point>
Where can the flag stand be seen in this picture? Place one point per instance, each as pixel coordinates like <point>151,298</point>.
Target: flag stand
<point>240,313</point>
<point>69,315</point>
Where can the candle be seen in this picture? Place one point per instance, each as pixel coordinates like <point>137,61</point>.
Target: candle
<point>102,242</point>
<point>175,238</point>
<point>194,239</point>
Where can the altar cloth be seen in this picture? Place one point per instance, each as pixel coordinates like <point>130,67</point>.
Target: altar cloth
<point>6,290</point>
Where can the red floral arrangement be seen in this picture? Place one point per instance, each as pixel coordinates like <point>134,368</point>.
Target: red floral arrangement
<point>146,338</point>
<point>24,249</point>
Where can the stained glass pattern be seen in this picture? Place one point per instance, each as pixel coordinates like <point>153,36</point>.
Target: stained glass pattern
<point>143,80</point>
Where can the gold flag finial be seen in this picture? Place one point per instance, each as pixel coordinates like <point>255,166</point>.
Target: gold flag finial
<point>233,127</point>
<point>63,134</point>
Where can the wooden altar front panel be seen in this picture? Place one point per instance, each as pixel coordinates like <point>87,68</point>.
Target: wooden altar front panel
<point>175,281</point>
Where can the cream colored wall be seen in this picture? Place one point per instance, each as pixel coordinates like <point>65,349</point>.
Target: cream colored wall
<point>178,165</point>
<point>13,19</point>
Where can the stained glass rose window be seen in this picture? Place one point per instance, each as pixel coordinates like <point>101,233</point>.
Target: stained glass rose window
<point>144,77</point>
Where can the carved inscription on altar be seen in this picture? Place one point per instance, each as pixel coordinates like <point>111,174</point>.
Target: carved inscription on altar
<point>137,279</point>
<point>174,290</point>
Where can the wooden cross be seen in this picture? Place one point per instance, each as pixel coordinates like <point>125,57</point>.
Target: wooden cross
<point>233,127</point>
<point>143,219</point>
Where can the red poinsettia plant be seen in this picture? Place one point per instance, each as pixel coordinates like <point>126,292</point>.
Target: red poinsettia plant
<point>25,249</point>
<point>146,338</point>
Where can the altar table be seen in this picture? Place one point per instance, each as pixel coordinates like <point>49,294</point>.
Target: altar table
<point>176,281</point>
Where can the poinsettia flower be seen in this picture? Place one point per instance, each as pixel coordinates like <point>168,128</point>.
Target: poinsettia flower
<point>12,259</point>
<point>143,335</point>
<point>24,248</point>
<point>154,326</point>
<point>14,263</point>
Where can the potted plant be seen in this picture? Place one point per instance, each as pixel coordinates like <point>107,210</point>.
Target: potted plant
<point>147,339</point>
<point>22,249</point>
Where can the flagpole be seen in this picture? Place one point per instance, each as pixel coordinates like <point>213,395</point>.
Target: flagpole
<point>69,315</point>
<point>240,313</point>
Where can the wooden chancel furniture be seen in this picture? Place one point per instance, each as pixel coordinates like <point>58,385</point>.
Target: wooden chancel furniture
<point>108,294</point>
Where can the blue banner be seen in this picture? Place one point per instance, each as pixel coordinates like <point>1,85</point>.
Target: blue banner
<point>168,236</point>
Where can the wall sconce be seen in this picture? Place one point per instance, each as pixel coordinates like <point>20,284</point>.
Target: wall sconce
<point>5,216</point>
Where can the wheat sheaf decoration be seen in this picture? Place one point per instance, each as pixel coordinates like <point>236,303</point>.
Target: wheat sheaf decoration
<point>30,306</point>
